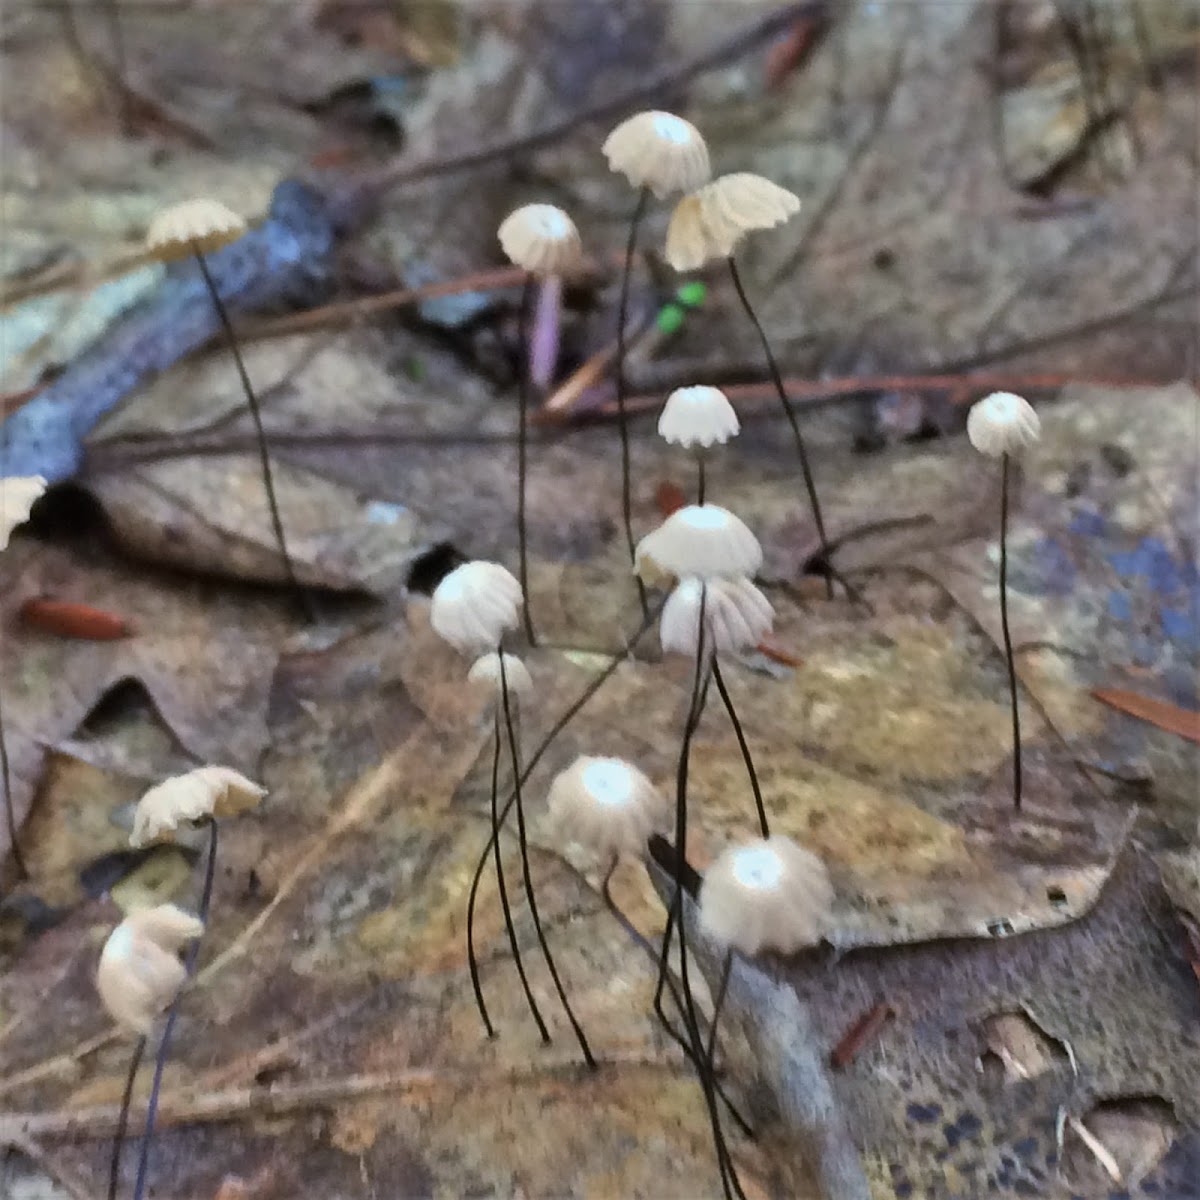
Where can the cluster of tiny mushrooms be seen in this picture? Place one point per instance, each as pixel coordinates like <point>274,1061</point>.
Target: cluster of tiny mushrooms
<point>766,894</point>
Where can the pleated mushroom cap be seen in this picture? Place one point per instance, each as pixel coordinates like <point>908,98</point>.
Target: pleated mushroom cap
<point>737,616</point>
<point>485,673</point>
<point>1002,423</point>
<point>18,494</point>
<point>709,224</point>
<point>704,540</point>
<point>698,416</point>
<point>139,971</point>
<point>606,805</point>
<point>193,227</point>
<point>659,151</point>
<point>770,894</point>
<point>743,203</point>
<point>216,792</point>
<point>475,605</point>
<point>542,239</point>
<point>688,245</point>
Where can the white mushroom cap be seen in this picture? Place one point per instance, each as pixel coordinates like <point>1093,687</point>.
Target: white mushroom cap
<point>704,540</point>
<point>689,245</point>
<point>698,416</point>
<point>474,605</point>
<point>139,971</point>
<point>737,616</point>
<point>1002,423</point>
<point>710,223</point>
<point>193,227</point>
<point>486,671</point>
<point>205,792</point>
<point>542,239</point>
<point>18,494</point>
<point>606,805</point>
<point>660,151</point>
<point>770,894</point>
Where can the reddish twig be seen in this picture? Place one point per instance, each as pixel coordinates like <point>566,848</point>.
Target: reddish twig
<point>864,1029</point>
<point>962,388</point>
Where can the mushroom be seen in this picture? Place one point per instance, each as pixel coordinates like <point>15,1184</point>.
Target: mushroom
<point>606,805</point>
<point>769,894</point>
<point>206,795</point>
<point>473,607</point>
<point>543,241</point>
<point>698,418</point>
<point>704,540</point>
<point>1000,426</point>
<point>195,228</point>
<point>139,975</point>
<point>709,224</point>
<point>660,154</point>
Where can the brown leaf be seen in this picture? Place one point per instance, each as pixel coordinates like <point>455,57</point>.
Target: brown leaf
<point>205,658</point>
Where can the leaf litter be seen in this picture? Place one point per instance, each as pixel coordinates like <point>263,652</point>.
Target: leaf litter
<point>331,1040</point>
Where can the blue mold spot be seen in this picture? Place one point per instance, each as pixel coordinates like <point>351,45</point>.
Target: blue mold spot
<point>1088,524</point>
<point>1119,607</point>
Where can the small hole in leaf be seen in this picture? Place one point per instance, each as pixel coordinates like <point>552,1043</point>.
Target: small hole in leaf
<point>1131,1134</point>
<point>1020,1048</point>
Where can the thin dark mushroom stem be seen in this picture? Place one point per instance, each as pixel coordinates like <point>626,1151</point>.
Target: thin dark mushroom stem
<point>114,1165</point>
<point>523,453</point>
<point>730,1184</point>
<point>527,874</point>
<point>797,435</point>
<point>622,416</point>
<point>652,950</point>
<point>557,728</point>
<point>718,1005</point>
<point>1008,647</point>
<point>502,888</point>
<point>663,953</point>
<point>160,1060</point>
<point>10,816</point>
<point>302,597</point>
<point>700,481</point>
<point>743,746</point>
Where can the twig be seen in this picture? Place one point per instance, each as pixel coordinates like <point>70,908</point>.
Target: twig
<point>819,391</point>
<point>346,312</point>
<point>99,1121</point>
<point>664,84</point>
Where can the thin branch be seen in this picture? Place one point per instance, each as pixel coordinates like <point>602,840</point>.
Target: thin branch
<point>187,1108</point>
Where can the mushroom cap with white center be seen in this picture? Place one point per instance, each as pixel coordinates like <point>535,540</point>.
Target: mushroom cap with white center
<point>139,971</point>
<point>1002,423</point>
<point>737,616</point>
<point>18,494</point>
<point>485,672</point>
<point>659,151</point>
<point>769,894</point>
<point>709,224</point>
<point>541,239</point>
<point>475,605</point>
<point>704,540</point>
<point>197,226</point>
<point>215,792</point>
<point>606,805</point>
<point>698,416</point>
